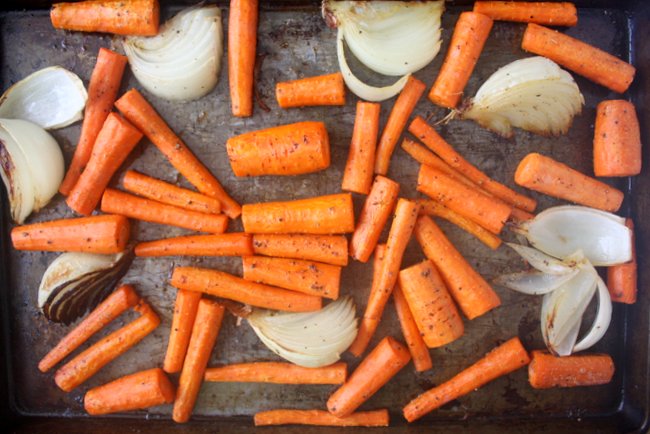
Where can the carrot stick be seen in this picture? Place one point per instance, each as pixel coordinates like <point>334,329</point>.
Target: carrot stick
<point>622,279</point>
<point>292,149</point>
<point>278,373</point>
<point>225,285</point>
<point>321,418</point>
<point>187,302</point>
<point>430,303</point>
<point>437,144</point>
<point>502,360</point>
<point>417,347</point>
<point>242,43</point>
<point>331,249</point>
<point>120,300</point>
<point>546,13</point>
<point>118,202</point>
<point>161,191</point>
<point>379,366</point>
<point>470,34</point>
<point>399,115</point>
<point>137,391</point>
<point>617,139</point>
<point>105,234</point>
<point>95,357</point>
<point>545,175</point>
<point>308,277</point>
<point>579,57</point>
<point>520,215</point>
<point>375,212</point>
<point>140,113</point>
<point>322,215</point>
<point>231,244</point>
<point>115,141</point>
<point>209,316</point>
<point>357,176</point>
<point>133,17</point>
<point>102,91</point>
<point>311,91</point>
<point>546,371</point>
<point>472,293</point>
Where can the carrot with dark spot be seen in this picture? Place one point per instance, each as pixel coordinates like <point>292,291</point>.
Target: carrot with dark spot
<point>187,302</point>
<point>617,139</point>
<point>330,249</point>
<point>230,244</point>
<point>321,418</point>
<point>357,176</point>
<point>415,343</point>
<point>323,90</point>
<point>278,373</point>
<point>546,370</point>
<point>242,45</point>
<point>622,279</point>
<point>546,13</point>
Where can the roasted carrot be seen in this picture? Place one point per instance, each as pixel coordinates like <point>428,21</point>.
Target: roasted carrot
<point>102,91</point>
<point>520,215</point>
<point>472,293</point>
<point>581,58</point>
<point>242,43</point>
<point>225,285</point>
<point>277,372</point>
<point>120,300</point>
<point>375,212</point>
<point>379,366</point>
<point>471,32</point>
<point>546,370</point>
<point>622,279</point>
<point>437,144</point>
<point>311,91</point>
<point>546,13</point>
<point>292,149</point>
<point>415,343</point>
<point>187,302</point>
<point>140,113</point>
<point>95,357</point>
<point>118,202</point>
<point>322,215</point>
<point>357,176</point>
<point>545,175</point>
<point>133,17</point>
<point>308,277</point>
<point>104,234</point>
<point>331,249</point>
<point>321,418</point>
<point>231,244</point>
<point>617,139</point>
<point>209,316</point>
<point>137,391</point>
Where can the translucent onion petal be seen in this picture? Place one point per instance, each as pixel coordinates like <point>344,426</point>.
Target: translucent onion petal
<point>541,261</point>
<point>534,282</point>
<point>601,322</point>
<point>17,178</point>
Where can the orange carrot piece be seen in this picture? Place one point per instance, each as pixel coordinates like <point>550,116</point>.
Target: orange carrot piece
<point>502,360</point>
<point>231,244</point>
<point>95,357</point>
<point>104,234</point>
<point>545,175</point>
<point>622,279</point>
<point>137,391</point>
<point>225,285</point>
<point>579,57</point>
<point>415,343</point>
<point>133,17</point>
<point>120,300</point>
<point>278,373</point>
<point>381,364</point>
<point>321,418</point>
<point>209,316</point>
<point>546,370</point>
<point>617,139</point>
<point>308,277</point>
<point>472,293</point>
<point>546,13</point>
<point>330,249</point>
<point>311,91</point>
<point>471,32</point>
<point>242,43</point>
<point>118,202</point>
<point>102,91</point>
<point>187,302</point>
<point>375,212</point>
<point>520,215</point>
<point>322,215</point>
<point>399,115</point>
<point>140,113</point>
<point>292,149</point>
<point>357,176</point>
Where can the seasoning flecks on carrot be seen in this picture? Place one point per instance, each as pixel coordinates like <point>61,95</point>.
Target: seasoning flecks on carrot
<point>321,418</point>
<point>242,46</point>
<point>359,169</point>
<point>546,370</point>
<point>187,302</point>
<point>617,139</point>
<point>230,244</point>
<point>622,279</point>
<point>545,13</point>
<point>311,91</point>
<point>278,373</point>
<point>414,342</point>
<point>330,249</point>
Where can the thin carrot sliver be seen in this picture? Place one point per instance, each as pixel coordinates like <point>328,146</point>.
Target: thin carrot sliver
<point>278,373</point>
<point>415,343</point>
<point>357,176</point>
<point>230,244</point>
<point>323,90</point>
<point>187,302</point>
<point>330,249</point>
<point>321,418</point>
<point>242,45</point>
<point>546,370</point>
<point>622,279</point>
<point>617,139</point>
<point>546,13</point>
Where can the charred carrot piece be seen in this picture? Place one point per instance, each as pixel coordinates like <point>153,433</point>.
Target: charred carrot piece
<point>330,249</point>
<point>278,373</point>
<point>242,45</point>
<point>414,342</point>
<point>617,139</point>
<point>321,418</point>
<point>187,302</point>
<point>546,13</point>
<point>357,176</point>
<point>231,244</point>
<point>546,370</point>
<point>520,215</point>
<point>622,279</point>
<point>311,91</point>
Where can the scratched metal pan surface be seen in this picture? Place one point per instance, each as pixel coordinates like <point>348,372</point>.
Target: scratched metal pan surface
<point>293,43</point>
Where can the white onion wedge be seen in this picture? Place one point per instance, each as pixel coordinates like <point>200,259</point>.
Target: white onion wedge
<point>601,322</point>
<point>541,261</point>
<point>17,178</point>
<point>534,282</point>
